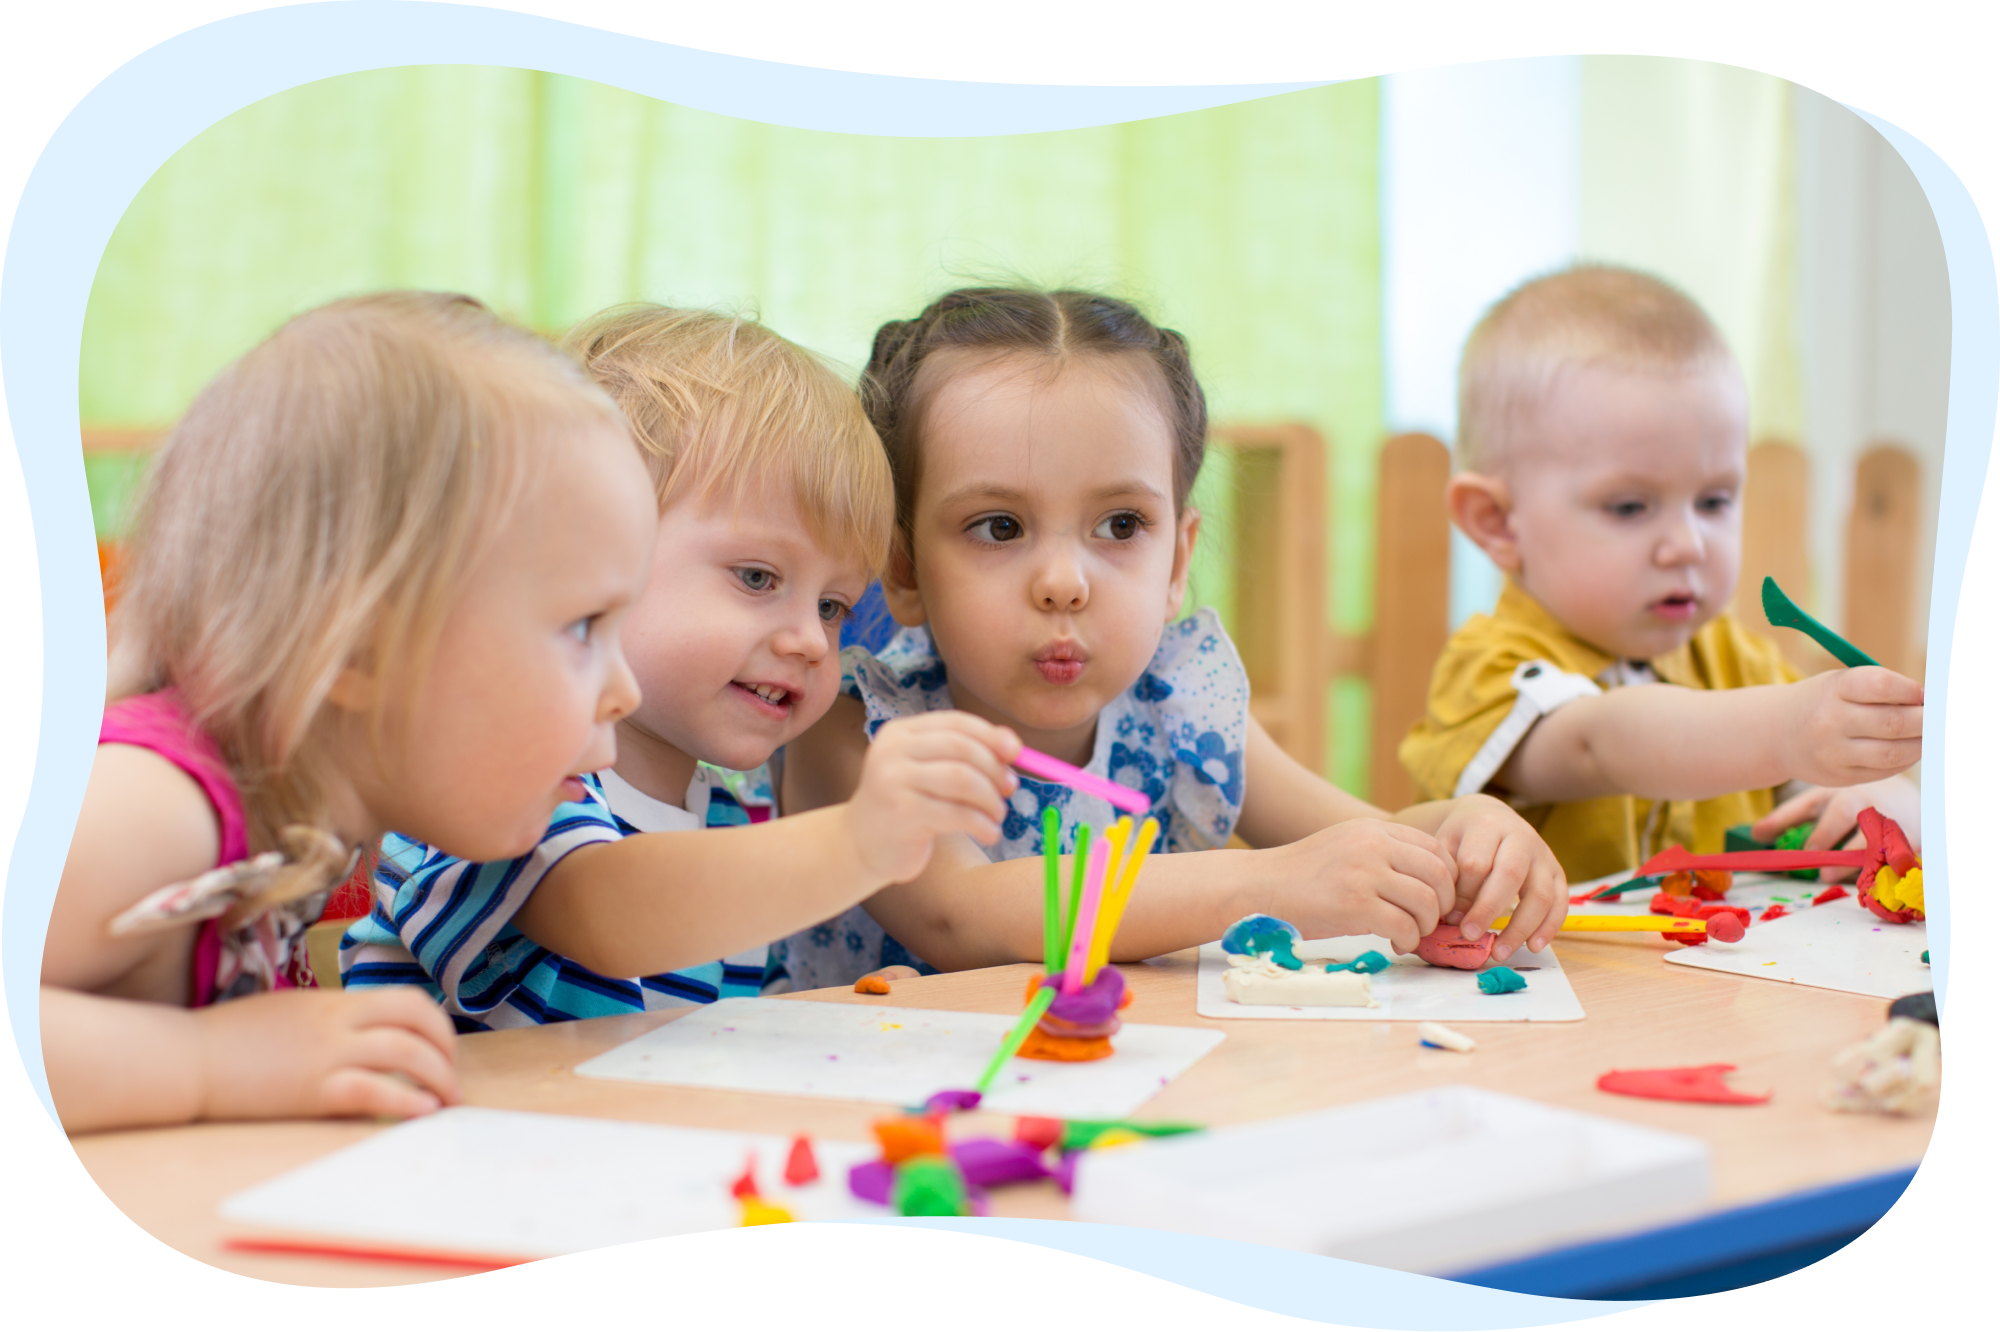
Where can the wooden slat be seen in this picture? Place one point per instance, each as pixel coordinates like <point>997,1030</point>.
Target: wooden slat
<point>1777,543</point>
<point>1280,570</point>
<point>120,439</point>
<point>1412,601</point>
<point>1882,556</point>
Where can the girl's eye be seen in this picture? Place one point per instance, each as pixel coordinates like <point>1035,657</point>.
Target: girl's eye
<point>831,611</point>
<point>998,527</point>
<point>1120,526</point>
<point>757,580</point>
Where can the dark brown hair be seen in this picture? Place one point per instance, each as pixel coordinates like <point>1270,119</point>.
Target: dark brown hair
<point>1053,324</point>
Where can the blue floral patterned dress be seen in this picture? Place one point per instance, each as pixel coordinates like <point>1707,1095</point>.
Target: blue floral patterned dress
<point>1177,735</point>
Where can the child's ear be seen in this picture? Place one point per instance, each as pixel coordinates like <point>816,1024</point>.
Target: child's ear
<point>1185,533</point>
<point>899,584</point>
<point>1483,509</point>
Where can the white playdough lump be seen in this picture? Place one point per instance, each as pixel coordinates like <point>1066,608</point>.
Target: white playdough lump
<point>1262,981</point>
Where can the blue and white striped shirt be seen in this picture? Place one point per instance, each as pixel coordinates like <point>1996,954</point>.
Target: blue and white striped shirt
<point>447,924</point>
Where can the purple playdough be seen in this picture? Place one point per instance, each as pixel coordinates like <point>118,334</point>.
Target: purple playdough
<point>950,1102</point>
<point>872,1181</point>
<point>1095,1005</point>
<point>988,1162</point>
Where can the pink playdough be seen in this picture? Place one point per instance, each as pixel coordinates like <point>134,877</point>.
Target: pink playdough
<point>1447,946</point>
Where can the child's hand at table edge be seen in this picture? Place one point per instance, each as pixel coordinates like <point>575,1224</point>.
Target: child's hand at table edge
<point>1834,813</point>
<point>1361,876</point>
<point>386,1051</point>
<point>1504,868</point>
<point>925,776</point>
<point>1848,727</point>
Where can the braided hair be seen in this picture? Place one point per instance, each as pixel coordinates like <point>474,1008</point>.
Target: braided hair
<point>1056,324</point>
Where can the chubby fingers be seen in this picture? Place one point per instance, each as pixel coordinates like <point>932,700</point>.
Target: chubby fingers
<point>359,1093</point>
<point>406,1007</point>
<point>1878,685</point>
<point>1504,880</point>
<point>398,1050</point>
<point>1539,913</point>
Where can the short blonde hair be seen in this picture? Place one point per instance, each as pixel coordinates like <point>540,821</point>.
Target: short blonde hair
<point>1592,314</point>
<point>720,404</point>
<point>324,498</point>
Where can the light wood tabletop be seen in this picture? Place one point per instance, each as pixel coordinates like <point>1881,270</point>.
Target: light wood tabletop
<point>1642,1013</point>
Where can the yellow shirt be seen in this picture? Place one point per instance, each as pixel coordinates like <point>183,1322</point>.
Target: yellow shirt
<point>1472,692</point>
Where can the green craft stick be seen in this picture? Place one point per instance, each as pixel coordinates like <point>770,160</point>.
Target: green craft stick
<point>1780,611</point>
<point>1075,898</point>
<point>1051,887</point>
<point>1036,1007</point>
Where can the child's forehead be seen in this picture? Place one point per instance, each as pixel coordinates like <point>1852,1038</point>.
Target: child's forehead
<point>1650,421</point>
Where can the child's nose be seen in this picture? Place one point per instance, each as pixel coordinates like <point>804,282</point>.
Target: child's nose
<point>1682,542</point>
<point>1059,582</point>
<point>805,636</point>
<point>621,690</point>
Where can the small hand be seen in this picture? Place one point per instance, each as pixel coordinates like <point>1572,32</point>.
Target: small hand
<point>1853,726</point>
<point>1502,863</point>
<point>1834,813</point>
<point>377,1051</point>
<point>925,776</point>
<point>1363,876</point>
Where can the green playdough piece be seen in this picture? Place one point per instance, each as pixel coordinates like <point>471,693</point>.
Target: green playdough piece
<point>1501,980</point>
<point>1078,1134</point>
<point>1737,838</point>
<point>1367,964</point>
<point>930,1186</point>
<point>1927,957</point>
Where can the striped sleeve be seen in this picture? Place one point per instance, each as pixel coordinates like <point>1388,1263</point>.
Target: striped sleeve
<point>446,924</point>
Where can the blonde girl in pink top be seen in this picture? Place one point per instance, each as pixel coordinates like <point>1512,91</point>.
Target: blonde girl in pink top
<point>375,583</point>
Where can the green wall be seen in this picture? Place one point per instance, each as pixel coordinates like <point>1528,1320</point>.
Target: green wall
<point>1252,228</point>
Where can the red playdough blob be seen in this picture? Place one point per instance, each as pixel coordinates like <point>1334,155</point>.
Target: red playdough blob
<point>1726,926</point>
<point>1447,946</point>
<point>1701,1083</point>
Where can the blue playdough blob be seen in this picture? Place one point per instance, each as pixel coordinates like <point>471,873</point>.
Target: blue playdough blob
<point>1501,980</point>
<point>1367,964</point>
<point>1257,936</point>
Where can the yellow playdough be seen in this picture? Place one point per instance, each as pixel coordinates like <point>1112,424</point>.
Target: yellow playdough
<point>1900,893</point>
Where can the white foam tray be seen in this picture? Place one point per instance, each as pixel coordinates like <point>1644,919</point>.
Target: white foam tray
<point>1435,1182</point>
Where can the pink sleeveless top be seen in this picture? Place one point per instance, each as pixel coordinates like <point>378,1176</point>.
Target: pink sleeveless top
<point>158,722</point>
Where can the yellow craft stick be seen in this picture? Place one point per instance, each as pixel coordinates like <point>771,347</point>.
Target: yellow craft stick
<point>1113,908</point>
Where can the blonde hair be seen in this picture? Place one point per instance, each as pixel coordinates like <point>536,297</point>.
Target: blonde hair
<point>322,499</point>
<point>1592,314</point>
<point>720,404</point>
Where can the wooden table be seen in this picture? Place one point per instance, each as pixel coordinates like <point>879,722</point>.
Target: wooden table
<point>1642,1014</point>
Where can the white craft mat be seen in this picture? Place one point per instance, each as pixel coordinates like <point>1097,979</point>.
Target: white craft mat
<point>858,1052</point>
<point>1411,990</point>
<point>1837,945</point>
<point>507,1183</point>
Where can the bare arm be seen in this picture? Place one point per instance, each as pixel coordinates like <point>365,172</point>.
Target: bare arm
<point>656,901</point>
<point>1665,742</point>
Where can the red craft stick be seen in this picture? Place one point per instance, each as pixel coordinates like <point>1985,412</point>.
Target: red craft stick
<point>375,1251</point>
<point>1679,858</point>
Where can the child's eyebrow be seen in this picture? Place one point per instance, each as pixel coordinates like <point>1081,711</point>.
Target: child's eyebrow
<point>985,491</point>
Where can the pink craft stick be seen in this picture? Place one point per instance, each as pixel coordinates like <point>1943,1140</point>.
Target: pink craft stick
<point>1095,871</point>
<point>1037,764</point>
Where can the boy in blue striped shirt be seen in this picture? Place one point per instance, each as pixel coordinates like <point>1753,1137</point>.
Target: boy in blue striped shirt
<point>775,511</point>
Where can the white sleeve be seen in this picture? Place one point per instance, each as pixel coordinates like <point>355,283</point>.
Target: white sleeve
<point>1539,690</point>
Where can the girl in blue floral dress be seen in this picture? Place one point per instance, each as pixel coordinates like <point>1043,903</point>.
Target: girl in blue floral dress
<point>1044,445</point>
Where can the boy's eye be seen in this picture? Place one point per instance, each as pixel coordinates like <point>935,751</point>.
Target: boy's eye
<point>998,527</point>
<point>832,611</point>
<point>580,630</point>
<point>1714,504</point>
<point>1626,508</point>
<point>1120,526</point>
<point>757,580</point>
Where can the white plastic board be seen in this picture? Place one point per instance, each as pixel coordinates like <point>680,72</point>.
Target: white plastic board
<point>1840,945</point>
<point>859,1052</point>
<point>1411,990</point>
<point>1438,1181</point>
<point>1837,945</point>
<point>509,1184</point>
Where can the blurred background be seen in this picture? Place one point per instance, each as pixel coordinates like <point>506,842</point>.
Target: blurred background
<point>1325,252</point>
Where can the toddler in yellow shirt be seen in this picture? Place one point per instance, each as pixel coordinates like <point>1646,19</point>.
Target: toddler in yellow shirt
<point>1610,697</point>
